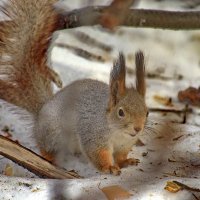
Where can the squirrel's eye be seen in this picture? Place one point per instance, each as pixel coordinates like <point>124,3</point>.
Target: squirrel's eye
<point>121,113</point>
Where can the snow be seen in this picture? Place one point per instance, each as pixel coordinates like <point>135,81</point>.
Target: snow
<point>163,157</point>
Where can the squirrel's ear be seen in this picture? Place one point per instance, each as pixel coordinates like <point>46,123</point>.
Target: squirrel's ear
<point>140,73</point>
<point>117,81</point>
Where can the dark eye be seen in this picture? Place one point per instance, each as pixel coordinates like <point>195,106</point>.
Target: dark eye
<point>121,113</point>
<point>147,114</point>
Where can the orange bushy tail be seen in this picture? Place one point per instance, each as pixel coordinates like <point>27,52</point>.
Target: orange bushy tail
<point>25,78</point>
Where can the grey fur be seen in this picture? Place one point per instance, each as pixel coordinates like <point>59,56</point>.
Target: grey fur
<point>76,120</point>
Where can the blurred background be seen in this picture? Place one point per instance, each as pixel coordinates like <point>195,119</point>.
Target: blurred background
<point>172,65</point>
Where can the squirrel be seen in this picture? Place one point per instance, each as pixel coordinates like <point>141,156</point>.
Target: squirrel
<point>99,120</point>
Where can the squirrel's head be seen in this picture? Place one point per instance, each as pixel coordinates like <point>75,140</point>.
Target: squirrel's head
<point>127,111</point>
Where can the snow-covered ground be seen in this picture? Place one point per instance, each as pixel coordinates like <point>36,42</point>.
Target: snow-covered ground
<point>170,152</point>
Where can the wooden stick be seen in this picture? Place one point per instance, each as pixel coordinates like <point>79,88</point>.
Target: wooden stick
<point>31,161</point>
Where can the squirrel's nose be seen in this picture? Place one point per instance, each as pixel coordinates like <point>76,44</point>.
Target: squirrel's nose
<point>137,129</point>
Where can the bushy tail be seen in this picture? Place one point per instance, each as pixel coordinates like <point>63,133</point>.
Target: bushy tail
<point>25,79</point>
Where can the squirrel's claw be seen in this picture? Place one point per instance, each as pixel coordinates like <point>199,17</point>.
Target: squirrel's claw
<point>129,161</point>
<point>132,161</point>
<point>115,170</point>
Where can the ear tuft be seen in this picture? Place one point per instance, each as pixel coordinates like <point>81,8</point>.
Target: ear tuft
<point>117,80</point>
<point>140,73</point>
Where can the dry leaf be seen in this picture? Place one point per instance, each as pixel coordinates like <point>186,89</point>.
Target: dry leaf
<point>115,192</point>
<point>145,154</point>
<point>166,101</point>
<point>190,95</point>
<point>36,190</point>
<point>171,160</point>
<point>8,170</point>
<point>177,138</point>
<point>172,187</point>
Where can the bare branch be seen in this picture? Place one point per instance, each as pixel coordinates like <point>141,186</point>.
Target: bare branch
<point>32,161</point>
<point>175,20</point>
<point>140,18</point>
<point>171,110</point>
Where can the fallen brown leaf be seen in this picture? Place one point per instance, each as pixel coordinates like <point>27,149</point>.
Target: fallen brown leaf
<point>175,186</point>
<point>190,95</point>
<point>115,192</point>
<point>172,187</point>
<point>166,101</point>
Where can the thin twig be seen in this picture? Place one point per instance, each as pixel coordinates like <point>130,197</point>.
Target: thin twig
<point>81,52</point>
<point>83,37</point>
<point>172,110</point>
<point>186,187</point>
<point>185,114</point>
<point>197,198</point>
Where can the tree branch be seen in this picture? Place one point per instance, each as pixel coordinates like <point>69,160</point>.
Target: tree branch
<point>32,161</point>
<point>115,13</point>
<point>175,20</point>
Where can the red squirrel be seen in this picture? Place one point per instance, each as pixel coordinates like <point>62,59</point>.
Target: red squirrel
<point>102,121</point>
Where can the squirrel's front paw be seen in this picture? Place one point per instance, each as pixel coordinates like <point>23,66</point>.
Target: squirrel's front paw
<point>115,170</point>
<point>132,161</point>
<point>129,161</point>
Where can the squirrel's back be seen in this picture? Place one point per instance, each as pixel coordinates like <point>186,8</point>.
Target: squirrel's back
<point>76,108</point>
<point>83,99</point>
<point>25,37</point>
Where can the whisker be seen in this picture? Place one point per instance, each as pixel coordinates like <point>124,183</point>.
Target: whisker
<point>150,128</point>
<point>150,131</point>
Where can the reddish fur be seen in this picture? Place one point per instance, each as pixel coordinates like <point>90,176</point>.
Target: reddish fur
<point>122,161</point>
<point>105,160</point>
<point>48,156</point>
<point>120,157</point>
<point>28,78</point>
